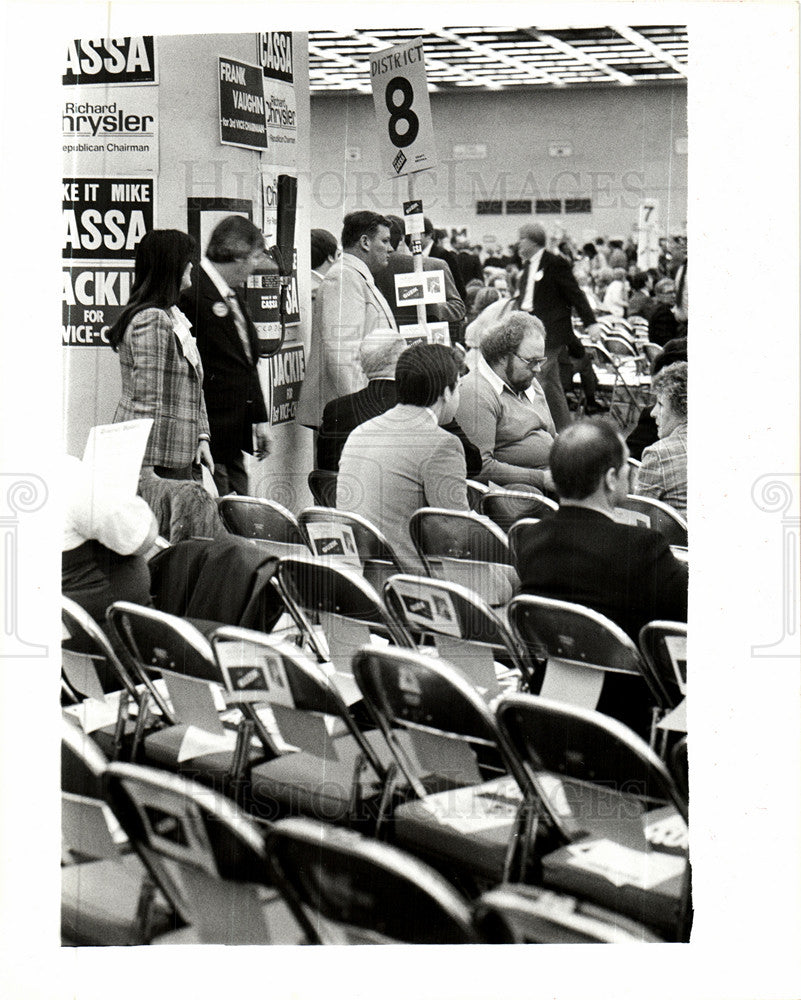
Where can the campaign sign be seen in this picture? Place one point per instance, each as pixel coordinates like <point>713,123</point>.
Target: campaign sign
<point>110,60</point>
<point>413,218</point>
<point>402,109</point>
<point>92,300</point>
<point>242,120</point>
<point>426,606</point>
<point>276,60</point>
<point>253,675</point>
<point>334,541</point>
<point>427,287</point>
<point>117,134</point>
<point>275,55</point>
<point>287,369</point>
<point>106,217</point>
<point>436,333</point>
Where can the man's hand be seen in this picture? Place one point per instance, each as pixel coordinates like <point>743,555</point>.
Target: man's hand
<point>594,332</point>
<point>264,442</point>
<point>203,456</point>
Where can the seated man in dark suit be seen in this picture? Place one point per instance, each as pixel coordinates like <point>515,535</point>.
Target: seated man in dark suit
<point>582,555</point>
<point>662,325</point>
<point>378,355</point>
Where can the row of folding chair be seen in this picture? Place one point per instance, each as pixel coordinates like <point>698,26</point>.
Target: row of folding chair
<point>189,867</point>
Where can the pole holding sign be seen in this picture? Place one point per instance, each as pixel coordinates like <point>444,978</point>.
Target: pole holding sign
<point>403,109</point>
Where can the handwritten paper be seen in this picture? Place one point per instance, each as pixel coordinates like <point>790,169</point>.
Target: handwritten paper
<point>114,454</point>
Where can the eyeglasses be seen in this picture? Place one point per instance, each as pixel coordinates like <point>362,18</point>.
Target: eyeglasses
<point>533,364</point>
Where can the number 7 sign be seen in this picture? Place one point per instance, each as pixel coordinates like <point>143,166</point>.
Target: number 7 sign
<point>403,109</point>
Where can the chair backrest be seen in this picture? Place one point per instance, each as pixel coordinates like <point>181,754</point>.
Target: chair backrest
<point>517,534</point>
<point>252,517</point>
<point>160,644</point>
<point>465,628</point>
<point>465,548</point>
<point>580,645</point>
<point>371,892</point>
<point>538,916</point>
<point>557,740</point>
<point>654,514</point>
<point>619,345</point>
<point>261,671</point>
<point>351,539</point>
<point>86,824</point>
<point>89,664</point>
<point>475,491</point>
<point>347,605</point>
<point>651,351</point>
<point>206,856</point>
<point>323,487</point>
<point>442,713</point>
<point>504,507</point>
<point>664,649</point>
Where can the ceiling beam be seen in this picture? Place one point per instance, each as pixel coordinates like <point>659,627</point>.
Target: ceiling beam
<point>579,55</point>
<point>648,46</point>
<point>493,53</point>
<point>349,61</point>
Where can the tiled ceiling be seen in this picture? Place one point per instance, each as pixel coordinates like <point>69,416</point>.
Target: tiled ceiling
<point>500,58</point>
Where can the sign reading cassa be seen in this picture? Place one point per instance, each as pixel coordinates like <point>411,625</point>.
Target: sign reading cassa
<point>110,60</point>
<point>403,109</point>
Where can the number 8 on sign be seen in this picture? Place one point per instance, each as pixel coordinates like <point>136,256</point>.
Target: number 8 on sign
<point>401,112</point>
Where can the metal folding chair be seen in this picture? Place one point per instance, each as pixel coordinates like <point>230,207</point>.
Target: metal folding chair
<point>475,491</point>
<point>504,507</point>
<point>263,521</point>
<point>612,804</point>
<point>465,630</point>
<point>350,539</point>
<point>466,805</point>
<point>654,514</point>
<point>467,549</point>
<point>323,487</point>
<point>206,856</point>
<point>580,648</point>
<point>346,889</point>
<point>324,764</point>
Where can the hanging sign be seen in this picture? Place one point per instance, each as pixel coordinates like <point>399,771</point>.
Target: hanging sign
<point>403,109</point>
<point>413,218</point>
<point>287,369</point>
<point>242,121</point>
<point>276,60</point>
<point>113,133</point>
<point>103,61</point>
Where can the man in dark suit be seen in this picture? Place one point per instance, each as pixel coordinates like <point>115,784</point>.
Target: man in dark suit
<point>584,556</point>
<point>378,356</point>
<point>228,345</point>
<point>548,289</point>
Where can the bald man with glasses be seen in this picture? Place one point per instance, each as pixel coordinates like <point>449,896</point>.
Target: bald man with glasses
<point>502,406</point>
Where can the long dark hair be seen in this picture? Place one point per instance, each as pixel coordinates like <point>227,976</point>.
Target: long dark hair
<point>161,260</point>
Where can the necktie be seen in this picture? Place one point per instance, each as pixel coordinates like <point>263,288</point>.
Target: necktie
<point>241,325</point>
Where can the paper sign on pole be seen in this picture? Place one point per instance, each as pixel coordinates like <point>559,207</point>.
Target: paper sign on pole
<point>403,109</point>
<point>427,287</point>
<point>413,218</point>
<point>648,234</point>
<point>432,333</point>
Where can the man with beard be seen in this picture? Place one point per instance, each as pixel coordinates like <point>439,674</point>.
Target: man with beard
<point>502,407</point>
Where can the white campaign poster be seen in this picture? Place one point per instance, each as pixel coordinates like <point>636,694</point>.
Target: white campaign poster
<point>436,333</point>
<point>110,131</point>
<point>276,59</point>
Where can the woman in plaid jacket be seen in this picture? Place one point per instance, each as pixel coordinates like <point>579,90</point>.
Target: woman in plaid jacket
<point>162,376</point>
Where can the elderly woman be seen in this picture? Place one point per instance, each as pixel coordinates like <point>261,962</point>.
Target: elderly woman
<point>663,475</point>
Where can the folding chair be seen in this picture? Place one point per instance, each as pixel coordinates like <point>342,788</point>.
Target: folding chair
<point>618,375</point>
<point>581,648</point>
<point>206,856</point>
<point>104,694</point>
<point>96,856</point>
<point>323,487</point>
<point>339,612</point>
<point>171,656</point>
<point>350,539</point>
<point>664,648</point>
<point>653,514</point>
<point>466,811</point>
<point>619,345</point>
<point>475,491</point>
<point>345,889</point>
<point>324,765</point>
<point>619,816</point>
<point>467,549</point>
<point>504,507</point>
<point>263,521</point>
<point>539,916</point>
<point>517,534</point>
<point>466,631</point>
<point>650,351</point>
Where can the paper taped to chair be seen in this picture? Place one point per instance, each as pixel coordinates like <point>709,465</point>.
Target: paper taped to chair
<point>574,683</point>
<point>475,660</point>
<point>446,756</point>
<point>253,674</point>
<point>426,606</point>
<point>676,720</point>
<point>194,703</point>
<point>334,541</point>
<point>200,743</point>
<point>81,671</point>
<point>93,714</point>
<point>621,865</point>
<point>676,646</point>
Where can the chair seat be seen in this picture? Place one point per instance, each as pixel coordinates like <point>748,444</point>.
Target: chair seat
<point>161,749</point>
<point>99,902</point>
<point>312,785</point>
<point>282,928</point>
<point>467,826</point>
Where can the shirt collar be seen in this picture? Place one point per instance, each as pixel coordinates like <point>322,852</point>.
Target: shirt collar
<point>499,385</point>
<point>535,261</point>
<point>217,279</point>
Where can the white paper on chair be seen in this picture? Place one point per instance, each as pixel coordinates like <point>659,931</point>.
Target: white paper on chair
<point>305,730</point>
<point>428,606</point>
<point>676,720</point>
<point>253,674</point>
<point>82,673</point>
<point>622,865</point>
<point>194,703</point>
<point>574,683</point>
<point>114,454</point>
<point>199,743</point>
<point>676,646</point>
<point>488,806</point>
<point>343,638</point>
<point>634,517</point>
<point>334,541</point>
<point>445,756</point>
<point>475,660</point>
<point>93,714</point>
